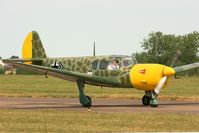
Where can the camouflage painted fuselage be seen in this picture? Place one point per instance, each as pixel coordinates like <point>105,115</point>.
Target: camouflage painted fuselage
<point>84,65</point>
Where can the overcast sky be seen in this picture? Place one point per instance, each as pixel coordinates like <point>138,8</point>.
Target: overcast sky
<point>69,27</point>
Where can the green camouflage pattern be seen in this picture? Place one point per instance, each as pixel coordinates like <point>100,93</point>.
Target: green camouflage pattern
<point>83,65</point>
<point>37,48</point>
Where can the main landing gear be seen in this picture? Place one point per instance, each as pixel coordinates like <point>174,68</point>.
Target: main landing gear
<point>84,100</point>
<point>150,98</point>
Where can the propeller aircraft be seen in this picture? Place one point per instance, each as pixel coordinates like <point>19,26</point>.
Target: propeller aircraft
<point>110,71</point>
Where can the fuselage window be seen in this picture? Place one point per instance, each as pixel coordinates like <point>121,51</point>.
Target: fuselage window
<point>94,65</point>
<point>103,65</point>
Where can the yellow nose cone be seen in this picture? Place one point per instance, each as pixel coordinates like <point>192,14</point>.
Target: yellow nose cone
<point>168,71</point>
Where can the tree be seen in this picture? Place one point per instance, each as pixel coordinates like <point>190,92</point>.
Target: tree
<point>164,48</point>
<point>189,46</point>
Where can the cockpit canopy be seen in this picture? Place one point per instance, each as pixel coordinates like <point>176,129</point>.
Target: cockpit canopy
<point>127,62</point>
<point>119,61</point>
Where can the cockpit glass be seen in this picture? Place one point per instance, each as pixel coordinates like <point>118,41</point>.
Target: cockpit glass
<point>94,65</point>
<point>103,65</point>
<point>127,62</point>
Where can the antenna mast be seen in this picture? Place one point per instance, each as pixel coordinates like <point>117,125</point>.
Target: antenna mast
<point>94,49</point>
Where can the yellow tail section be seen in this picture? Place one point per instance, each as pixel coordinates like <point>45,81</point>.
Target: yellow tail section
<point>27,47</point>
<point>32,47</point>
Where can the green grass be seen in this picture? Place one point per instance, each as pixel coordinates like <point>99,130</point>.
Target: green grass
<point>38,86</point>
<point>83,121</point>
<point>64,121</point>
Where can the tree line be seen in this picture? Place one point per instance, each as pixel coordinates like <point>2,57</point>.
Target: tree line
<point>169,49</point>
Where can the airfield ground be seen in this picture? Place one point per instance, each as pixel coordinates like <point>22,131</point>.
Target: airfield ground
<point>36,104</point>
<point>186,89</point>
<point>69,121</point>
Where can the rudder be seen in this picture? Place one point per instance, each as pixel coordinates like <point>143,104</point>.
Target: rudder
<point>32,47</point>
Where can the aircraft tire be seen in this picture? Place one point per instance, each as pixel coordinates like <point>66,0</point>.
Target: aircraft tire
<point>146,100</point>
<point>89,103</point>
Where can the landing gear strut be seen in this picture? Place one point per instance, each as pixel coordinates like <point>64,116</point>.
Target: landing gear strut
<point>154,99</point>
<point>150,98</point>
<point>84,100</point>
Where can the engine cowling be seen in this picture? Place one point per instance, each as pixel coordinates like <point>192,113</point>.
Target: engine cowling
<point>147,76</point>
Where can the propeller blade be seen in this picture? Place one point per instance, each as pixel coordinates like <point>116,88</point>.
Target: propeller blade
<point>160,85</point>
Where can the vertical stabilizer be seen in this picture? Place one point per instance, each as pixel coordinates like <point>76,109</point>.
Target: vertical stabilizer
<point>32,47</point>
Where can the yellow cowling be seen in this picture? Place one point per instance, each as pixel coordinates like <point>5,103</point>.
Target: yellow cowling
<point>147,76</point>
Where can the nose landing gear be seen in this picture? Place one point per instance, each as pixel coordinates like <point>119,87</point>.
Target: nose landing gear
<point>150,98</point>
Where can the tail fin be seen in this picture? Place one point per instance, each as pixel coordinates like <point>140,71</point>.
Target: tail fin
<point>32,47</point>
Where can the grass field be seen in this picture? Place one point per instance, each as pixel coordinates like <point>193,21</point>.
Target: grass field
<point>50,120</point>
<point>38,86</point>
<point>64,121</point>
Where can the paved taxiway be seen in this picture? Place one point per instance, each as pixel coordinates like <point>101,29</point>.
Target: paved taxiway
<point>99,105</point>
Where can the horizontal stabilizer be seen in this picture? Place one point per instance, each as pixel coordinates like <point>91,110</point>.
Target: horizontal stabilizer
<point>37,61</point>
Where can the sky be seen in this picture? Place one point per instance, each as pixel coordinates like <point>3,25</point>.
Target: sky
<point>69,27</point>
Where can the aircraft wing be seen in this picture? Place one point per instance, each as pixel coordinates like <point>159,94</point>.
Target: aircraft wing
<point>67,75</point>
<point>186,67</point>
